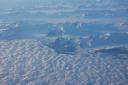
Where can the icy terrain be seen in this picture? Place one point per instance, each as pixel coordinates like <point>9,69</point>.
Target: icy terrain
<point>64,42</point>
<point>24,62</point>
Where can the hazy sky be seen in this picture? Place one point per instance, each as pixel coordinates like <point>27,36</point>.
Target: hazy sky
<point>22,3</point>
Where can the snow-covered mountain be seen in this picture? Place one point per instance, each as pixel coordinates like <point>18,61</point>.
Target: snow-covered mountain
<point>64,42</point>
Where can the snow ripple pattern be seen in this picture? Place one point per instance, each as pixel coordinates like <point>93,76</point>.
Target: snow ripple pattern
<point>25,62</point>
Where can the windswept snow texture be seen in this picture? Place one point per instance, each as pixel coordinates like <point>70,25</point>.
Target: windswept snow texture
<point>64,42</point>
<point>24,62</point>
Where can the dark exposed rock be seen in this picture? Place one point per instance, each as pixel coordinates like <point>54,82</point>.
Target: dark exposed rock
<point>56,32</point>
<point>65,45</point>
<point>113,50</point>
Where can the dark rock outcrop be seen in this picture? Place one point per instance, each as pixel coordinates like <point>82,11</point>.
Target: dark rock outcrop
<point>56,32</point>
<point>113,50</point>
<point>65,45</point>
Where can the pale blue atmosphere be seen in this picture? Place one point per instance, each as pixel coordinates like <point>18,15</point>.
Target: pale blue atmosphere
<point>63,42</point>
